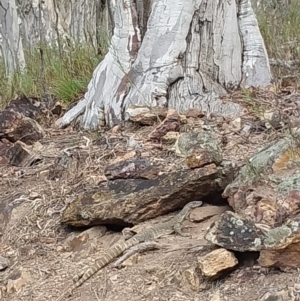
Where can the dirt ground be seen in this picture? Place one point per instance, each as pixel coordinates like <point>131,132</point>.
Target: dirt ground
<point>168,273</point>
<point>44,256</point>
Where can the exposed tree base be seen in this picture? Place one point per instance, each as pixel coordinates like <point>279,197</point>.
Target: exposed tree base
<point>191,54</point>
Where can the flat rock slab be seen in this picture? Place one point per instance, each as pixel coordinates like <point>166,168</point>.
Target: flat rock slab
<point>132,201</point>
<point>206,212</point>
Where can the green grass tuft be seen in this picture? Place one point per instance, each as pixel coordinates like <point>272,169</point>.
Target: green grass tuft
<point>65,75</point>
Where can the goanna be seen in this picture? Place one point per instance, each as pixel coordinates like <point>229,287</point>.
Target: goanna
<point>173,225</point>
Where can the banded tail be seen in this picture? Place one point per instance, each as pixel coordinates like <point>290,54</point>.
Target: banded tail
<point>103,261</point>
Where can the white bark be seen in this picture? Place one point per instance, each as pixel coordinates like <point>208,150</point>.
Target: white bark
<point>11,46</point>
<point>214,52</point>
<point>110,80</point>
<point>69,20</point>
<point>256,68</point>
<point>190,55</point>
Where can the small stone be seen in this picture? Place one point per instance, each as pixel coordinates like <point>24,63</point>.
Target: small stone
<point>4,263</point>
<point>60,249</point>
<point>33,195</point>
<point>16,281</point>
<point>114,278</point>
<point>213,264</point>
<point>170,124</point>
<point>237,124</point>
<point>216,296</point>
<point>170,137</point>
<point>145,115</point>
<point>16,127</point>
<point>190,277</point>
<point>96,179</point>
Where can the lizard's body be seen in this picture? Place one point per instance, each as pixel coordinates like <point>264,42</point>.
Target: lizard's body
<point>173,225</point>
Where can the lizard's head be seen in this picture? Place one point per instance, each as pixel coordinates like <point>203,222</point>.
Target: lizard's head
<point>194,204</point>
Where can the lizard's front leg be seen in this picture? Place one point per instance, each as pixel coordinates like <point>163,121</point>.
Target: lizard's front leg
<point>177,230</point>
<point>128,233</point>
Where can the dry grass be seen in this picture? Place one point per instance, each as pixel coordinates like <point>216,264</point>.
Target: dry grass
<point>280,28</point>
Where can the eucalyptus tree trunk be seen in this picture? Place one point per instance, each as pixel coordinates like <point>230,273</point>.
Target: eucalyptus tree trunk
<point>55,22</point>
<point>11,44</point>
<point>72,21</point>
<point>178,54</point>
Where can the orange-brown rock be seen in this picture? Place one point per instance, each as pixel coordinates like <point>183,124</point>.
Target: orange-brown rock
<point>270,163</point>
<point>170,137</point>
<point>278,246</point>
<point>170,124</point>
<point>200,158</point>
<point>287,257</point>
<point>215,263</point>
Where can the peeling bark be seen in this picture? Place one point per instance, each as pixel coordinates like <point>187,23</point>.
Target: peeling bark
<point>11,46</point>
<point>191,53</point>
<point>27,23</point>
<point>110,81</point>
<point>74,21</point>
<point>212,61</point>
<point>256,68</point>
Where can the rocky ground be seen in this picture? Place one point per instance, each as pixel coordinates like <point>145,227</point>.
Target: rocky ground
<point>41,177</point>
